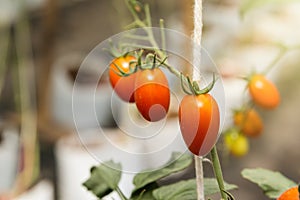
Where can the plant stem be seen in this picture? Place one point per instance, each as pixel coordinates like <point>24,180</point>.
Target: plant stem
<point>281,53</point>
<point>5,38</point>
<point>120,193</point>
<point>199,177</point>
<point>28,132</point>
<point>162,35</point>
<point>218,171</point>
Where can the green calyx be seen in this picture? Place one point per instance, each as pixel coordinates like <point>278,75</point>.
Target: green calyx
<point>193,88</point>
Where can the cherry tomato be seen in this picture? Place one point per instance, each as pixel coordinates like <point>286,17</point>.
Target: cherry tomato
<point>236,143</point>
<point>290,194</point>
<point>249,122</point>
<point>123,86</point>
<point>263,92</point>
<point>152,94</point>
<point>199,120</point>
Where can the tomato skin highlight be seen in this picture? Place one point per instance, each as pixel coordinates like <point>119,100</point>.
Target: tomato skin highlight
<point>199,121</point>
<point>123,86</point>
<point>249,122</point>
<point>263,92</point>
<point>152,94</point>
<point>290,194</point>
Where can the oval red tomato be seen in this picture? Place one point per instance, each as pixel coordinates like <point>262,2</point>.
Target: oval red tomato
<point>123,86</point>
<point>152,94</point>
<point>263,92</point>
<point>199,120</point>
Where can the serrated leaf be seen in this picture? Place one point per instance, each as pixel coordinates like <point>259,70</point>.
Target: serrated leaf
<point>272,183</point>
<point>104,178</point>
<point>249,5</point>
<point>178,162</point>
<point>187,189</point>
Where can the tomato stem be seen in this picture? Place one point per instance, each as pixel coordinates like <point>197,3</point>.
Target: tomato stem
<point>218,171</point>
<point>162,35</point>
<point>120,193</point>
<point>282,52</point>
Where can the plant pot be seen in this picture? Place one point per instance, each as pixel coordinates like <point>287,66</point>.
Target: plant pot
<point>87,105</point>
<point>75,156</point>
<point>9,157</point>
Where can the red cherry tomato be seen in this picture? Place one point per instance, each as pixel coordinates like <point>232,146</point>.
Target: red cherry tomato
<point>263,92</point>
<point>123,86</point>
<point>152,94</point>
<point>199,120</point>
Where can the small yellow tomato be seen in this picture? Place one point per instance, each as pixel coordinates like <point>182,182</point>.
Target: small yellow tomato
<point>236,143</point>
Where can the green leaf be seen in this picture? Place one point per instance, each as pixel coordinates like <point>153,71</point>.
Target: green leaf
<point>104,178</point>
<point>249,5</point>
<point>187,189</point>
<point>182,190</point>
<point>211,186</point>
<point>177,163</point>
<point>272,183</point>
<point>145,193</point>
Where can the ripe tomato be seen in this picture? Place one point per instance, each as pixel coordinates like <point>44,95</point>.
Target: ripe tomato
<point>263,92</point>
<point>152,94</point>
<point>123,86</point>
<point>236,143</point>
<point>249,122</point>
<point>290,194</point>
<point>199,120</point>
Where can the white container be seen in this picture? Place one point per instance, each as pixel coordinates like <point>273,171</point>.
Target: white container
<point>75,156</point>
<point>9,157</point>
<point>87,105</point>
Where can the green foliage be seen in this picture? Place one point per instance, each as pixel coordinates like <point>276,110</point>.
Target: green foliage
<point>104,178</point>
<point>187,189</point>
<point>272,183</point>
<point>178,162</point>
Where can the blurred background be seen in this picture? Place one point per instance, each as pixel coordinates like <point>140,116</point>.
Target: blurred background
<point>43,43</point>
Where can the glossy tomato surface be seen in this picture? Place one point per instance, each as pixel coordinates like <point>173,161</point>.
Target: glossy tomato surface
<point>199,120</point>
<point>123,86</point>
<point>152,94</point>
<point>263,92</point>
<point>290,194</point>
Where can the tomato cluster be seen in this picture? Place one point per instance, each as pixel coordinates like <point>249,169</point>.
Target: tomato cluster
<point>247,121</point>
<point>147,88</point>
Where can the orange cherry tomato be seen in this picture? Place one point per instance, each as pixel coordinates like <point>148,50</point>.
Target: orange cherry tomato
<point>263,92</point>
<point>199,120</point>
<point>249,122</point>
<point>290,194</point>
<point>152,94</point>
<point>123,86</point>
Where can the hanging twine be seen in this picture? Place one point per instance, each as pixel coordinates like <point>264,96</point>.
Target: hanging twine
<point>197,35</point>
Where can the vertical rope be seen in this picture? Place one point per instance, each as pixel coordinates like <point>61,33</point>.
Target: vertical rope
<point>197,35</point>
